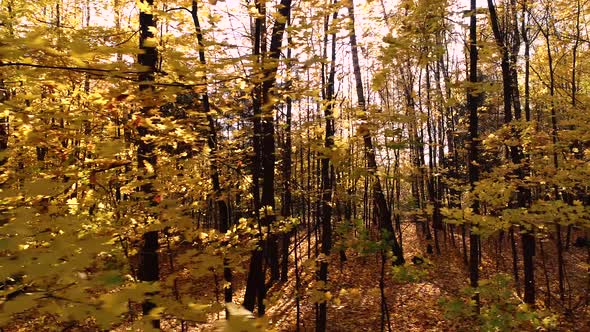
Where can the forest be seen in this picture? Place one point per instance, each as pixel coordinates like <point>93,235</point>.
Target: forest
<point>295,165</point>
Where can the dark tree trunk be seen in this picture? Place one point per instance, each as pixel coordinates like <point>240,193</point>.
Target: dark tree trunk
<point>148,256</point>
<point>327,177</point>
<point>380,203</point>
<point>554,139</point>
<point>287,209</point>
<point>430,183</point>
<point>511,98</point>
<point>527,67</point>
<point>4,123</point>
<point>255,272</point>
<point>222,208</point>
<point>473,154</point>
<point>287,197</point>
<point>267,157</point>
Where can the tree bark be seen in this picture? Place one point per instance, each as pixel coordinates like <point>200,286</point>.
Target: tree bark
<point>148,256</point>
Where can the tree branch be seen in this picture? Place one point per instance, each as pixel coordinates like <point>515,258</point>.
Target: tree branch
<point>106,73</point>
<point>178,8</point>
<point>78,69</point>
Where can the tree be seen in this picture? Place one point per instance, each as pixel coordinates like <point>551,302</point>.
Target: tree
<point>148,265</point>
<point>222,208</point>
<point>265,155</point>
<point>512,99</point>
<point>327,173</point>
<point>381,207</point>
<point>473,157</point>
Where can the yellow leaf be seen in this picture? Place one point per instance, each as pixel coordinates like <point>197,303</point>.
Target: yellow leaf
<point>150,42</point>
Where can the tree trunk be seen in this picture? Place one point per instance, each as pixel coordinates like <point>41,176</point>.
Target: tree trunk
<point>511,98</point>
<point>327,177</point>
<point>554,139</point>
<point>267,156</point>
<point>255,272</point>
<point>148,256</point>
<point>222,208</point>
<point>473,154</point>
<point>380,203</point>
<point>287,197</point>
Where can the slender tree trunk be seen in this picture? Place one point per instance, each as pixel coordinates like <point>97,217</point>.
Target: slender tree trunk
<point>380,203</point>
<point>287,197</point>
<point>473,157</point>
<point>431,185</point>
<point>148,255</point>
<point>255,272</point>
<point>222,208</point>
<point>439,184</point>
<point>573,100</point>
<point>511,98</point>
<point>287,209</point>
<point>546,273</point>
<point>4,122</point>
<point>575,53</point>
<point>5,95</point>
<point>268,130</point>
<point>297,282</point>
<point>256,276</point>
<point>527,67</point>
<point>327,179</point>
<point>554,138</point>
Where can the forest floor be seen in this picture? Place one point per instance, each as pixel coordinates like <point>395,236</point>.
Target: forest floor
<point>413,304</point>
<point>356,302</point>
